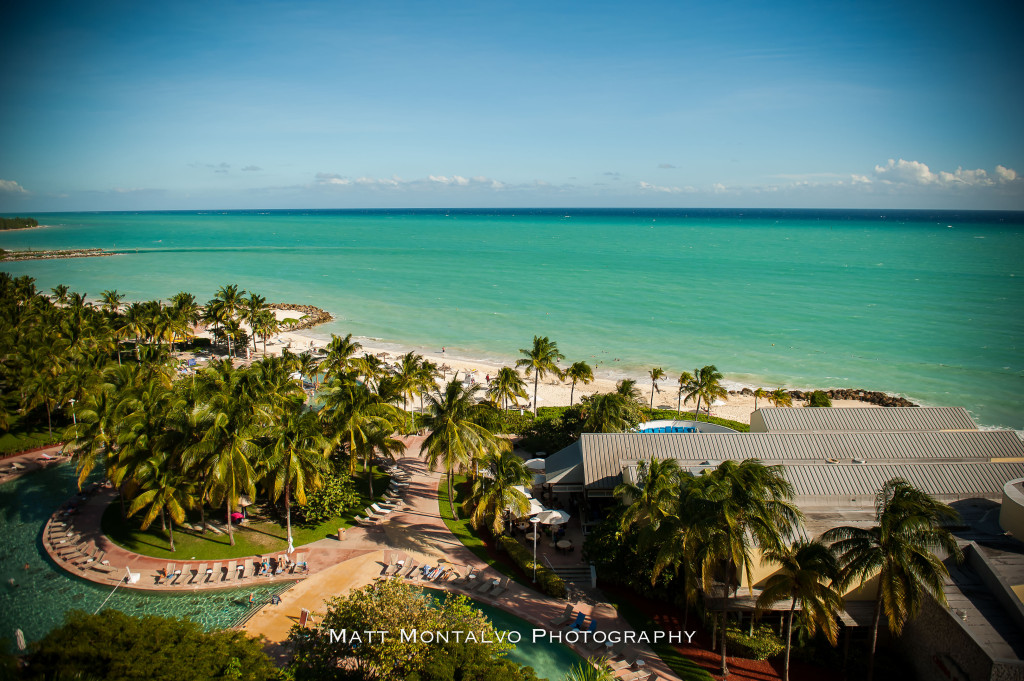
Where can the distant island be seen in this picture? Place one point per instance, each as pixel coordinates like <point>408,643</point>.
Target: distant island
<point>18,223</point>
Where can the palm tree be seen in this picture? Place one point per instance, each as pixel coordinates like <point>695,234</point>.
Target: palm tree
<point>723,515</point>
<point>594,669</point>
<point>60,292</point>
<point>494,495</point>
<point>410,378</point>
<point>607,413</point>
<point>628,389</point>
<point>111,300</point>
<point>759,393</point>
<point>579,371</point>
<point>685,385</point>
<point>298,459</point>
<point>455,441</point>
<point>656,374</point>
<point>710,386</point>
<point>506,386</point>
<point>900,549</point>
<point>340,352</point>
<point>805,568</point>
<point>781,398</point>
<point>652,497</point>
<point>540,360</point>
<point>251,309</point>
<point>165,489</point>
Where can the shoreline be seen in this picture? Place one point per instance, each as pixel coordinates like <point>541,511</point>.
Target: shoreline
<point>552,392</point>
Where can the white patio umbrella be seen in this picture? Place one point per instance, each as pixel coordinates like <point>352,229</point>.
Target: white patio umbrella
<point>536,507</point>
<point>525,492</point>
<point>535,465</point>
<point>553,517</point>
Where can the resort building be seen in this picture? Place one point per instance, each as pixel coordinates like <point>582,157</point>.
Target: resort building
<point>837,459</point>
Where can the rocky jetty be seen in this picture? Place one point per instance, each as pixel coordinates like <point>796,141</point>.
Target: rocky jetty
<point>54,255</point>
<point>871,396</point>
<point>311,316</point>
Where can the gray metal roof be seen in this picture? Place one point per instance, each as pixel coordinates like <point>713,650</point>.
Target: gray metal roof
<point>565,467</point>
<point>854,419</point>
<point>941,480</point>
<point>603,455</point>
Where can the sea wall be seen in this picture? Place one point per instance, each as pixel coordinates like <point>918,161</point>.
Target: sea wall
<point>872,396</point>
<point>312,316</point>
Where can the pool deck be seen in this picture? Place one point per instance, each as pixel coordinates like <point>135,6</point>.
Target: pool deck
<point>414,530</point>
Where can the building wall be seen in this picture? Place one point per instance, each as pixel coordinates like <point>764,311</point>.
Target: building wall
<point>1011,511</point>
<point>940,648</point>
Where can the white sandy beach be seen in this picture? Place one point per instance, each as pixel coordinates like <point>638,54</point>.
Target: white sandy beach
<point>551,392</point>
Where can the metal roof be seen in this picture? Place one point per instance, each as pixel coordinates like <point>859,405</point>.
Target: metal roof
<point>603,455</point>
<point>854,419</point>
<point>565,467</point>
<point>941,480</point>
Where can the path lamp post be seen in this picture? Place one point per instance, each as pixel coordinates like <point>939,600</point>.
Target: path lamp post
<point>536,528</point>
<point>73,417</point>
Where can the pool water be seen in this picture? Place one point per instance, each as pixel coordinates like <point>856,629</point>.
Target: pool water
<point>35,599</point>
<point>549,660</point>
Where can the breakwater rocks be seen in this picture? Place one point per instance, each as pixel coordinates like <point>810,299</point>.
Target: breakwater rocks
<point>312,316</point>
<point>871,396</point>
<point>54,255</point>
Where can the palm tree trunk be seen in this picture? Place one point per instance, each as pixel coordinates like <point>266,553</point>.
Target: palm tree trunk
<point>874,638</point>
<point>288,510</point>
<point>163,521</point>
<point>451,494</point>
<point>369,475</point>
<point>679,401</point>
<point>231,532</point>
<point>170,532</point>
<point>652,394</point>
<point>535,377</point>
<point>696,414</point>
<point>571,391</point>
<point>725,668</point>
<point>789,641</point>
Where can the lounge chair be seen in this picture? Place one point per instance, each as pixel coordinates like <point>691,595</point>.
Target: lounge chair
<point>500,589</point>
<point>215,573</point>
<point>231,571</point>
<point>637,676</point>
<point>466,578</point>
<point>563,619</point>
<point>280,564</point>
<point>579,621</point>
<point>195,572</point>
<point>66,553</point>
<point>177,575</point>
<point>485,586</point>
<point>380,511</point>
<point>410,570</point>
<point>105,569</point>
<point>246,567</point>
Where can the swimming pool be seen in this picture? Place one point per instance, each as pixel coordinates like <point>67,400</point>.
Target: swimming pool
<point>35,599</point>
<point>549,660</point>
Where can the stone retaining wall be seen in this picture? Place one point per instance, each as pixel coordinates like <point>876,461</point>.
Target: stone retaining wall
<point>314,316</point>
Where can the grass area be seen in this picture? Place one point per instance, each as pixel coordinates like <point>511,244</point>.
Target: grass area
<point>685,668</point>
<point>257,536</point>
<point>464,532</point>
<point>30,433</point>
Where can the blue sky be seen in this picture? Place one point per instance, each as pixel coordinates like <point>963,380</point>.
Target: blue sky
<point>183,105</point>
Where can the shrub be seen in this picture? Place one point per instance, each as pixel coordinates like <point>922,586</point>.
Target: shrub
<point>550,583</point>
<point>337,495</point>
<point>819,398</point>
<point>762,645</point>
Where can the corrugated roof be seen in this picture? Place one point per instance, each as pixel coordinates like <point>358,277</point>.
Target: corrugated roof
<point>961,480</point>
<point>853,419</point>
<point>565,467</point>
<point>603,455</point>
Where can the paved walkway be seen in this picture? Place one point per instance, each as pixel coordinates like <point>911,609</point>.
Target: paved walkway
<point>417,532</point>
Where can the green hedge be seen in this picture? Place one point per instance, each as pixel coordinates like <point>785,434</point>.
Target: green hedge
<point>550,583</point>
<point>762,645</point>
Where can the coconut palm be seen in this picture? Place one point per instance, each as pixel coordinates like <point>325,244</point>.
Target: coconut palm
<point>781,398</point>
<point>656,374</point>
<point>298,459</point>
<point>455,442</point>
<point>608,413</point>
<point>165,489</point>
<point>506,386</point>
<point>652,497</point>
<point>710,386</point>
<point>685,386</point>
<point>579,371</point>
<point>251,309</point>
<point>307,368</point>
<point>594,669</point>
<point>759,393</point>
<point>807,572</point>
<point>410,378</point>
<point>111,300</point>
<point>540,360</point>
<point>901,549</point>
<point>340,352</point>
<point>494,495</point>
<point>60,293</point>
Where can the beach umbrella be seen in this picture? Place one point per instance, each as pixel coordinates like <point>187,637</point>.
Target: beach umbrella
<point>553,517</point>
<point>525,492</point>
<point>535,465</point>
<point>19,637</point>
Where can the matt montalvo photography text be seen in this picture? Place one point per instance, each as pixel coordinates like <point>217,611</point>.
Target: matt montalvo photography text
<point>446,636</point>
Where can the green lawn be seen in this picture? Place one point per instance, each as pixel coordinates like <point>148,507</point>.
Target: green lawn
<point>252,538</point>
<point>17,440</point>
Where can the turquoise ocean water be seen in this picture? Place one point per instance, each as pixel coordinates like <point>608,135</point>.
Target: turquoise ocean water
<point>923,304</point>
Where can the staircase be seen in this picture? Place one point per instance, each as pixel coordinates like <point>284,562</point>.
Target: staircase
<point>579,575</point>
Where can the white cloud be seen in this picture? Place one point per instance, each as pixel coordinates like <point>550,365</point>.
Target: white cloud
<point>647,186</point>
<point>11,187</point>
<point>917,173</point>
